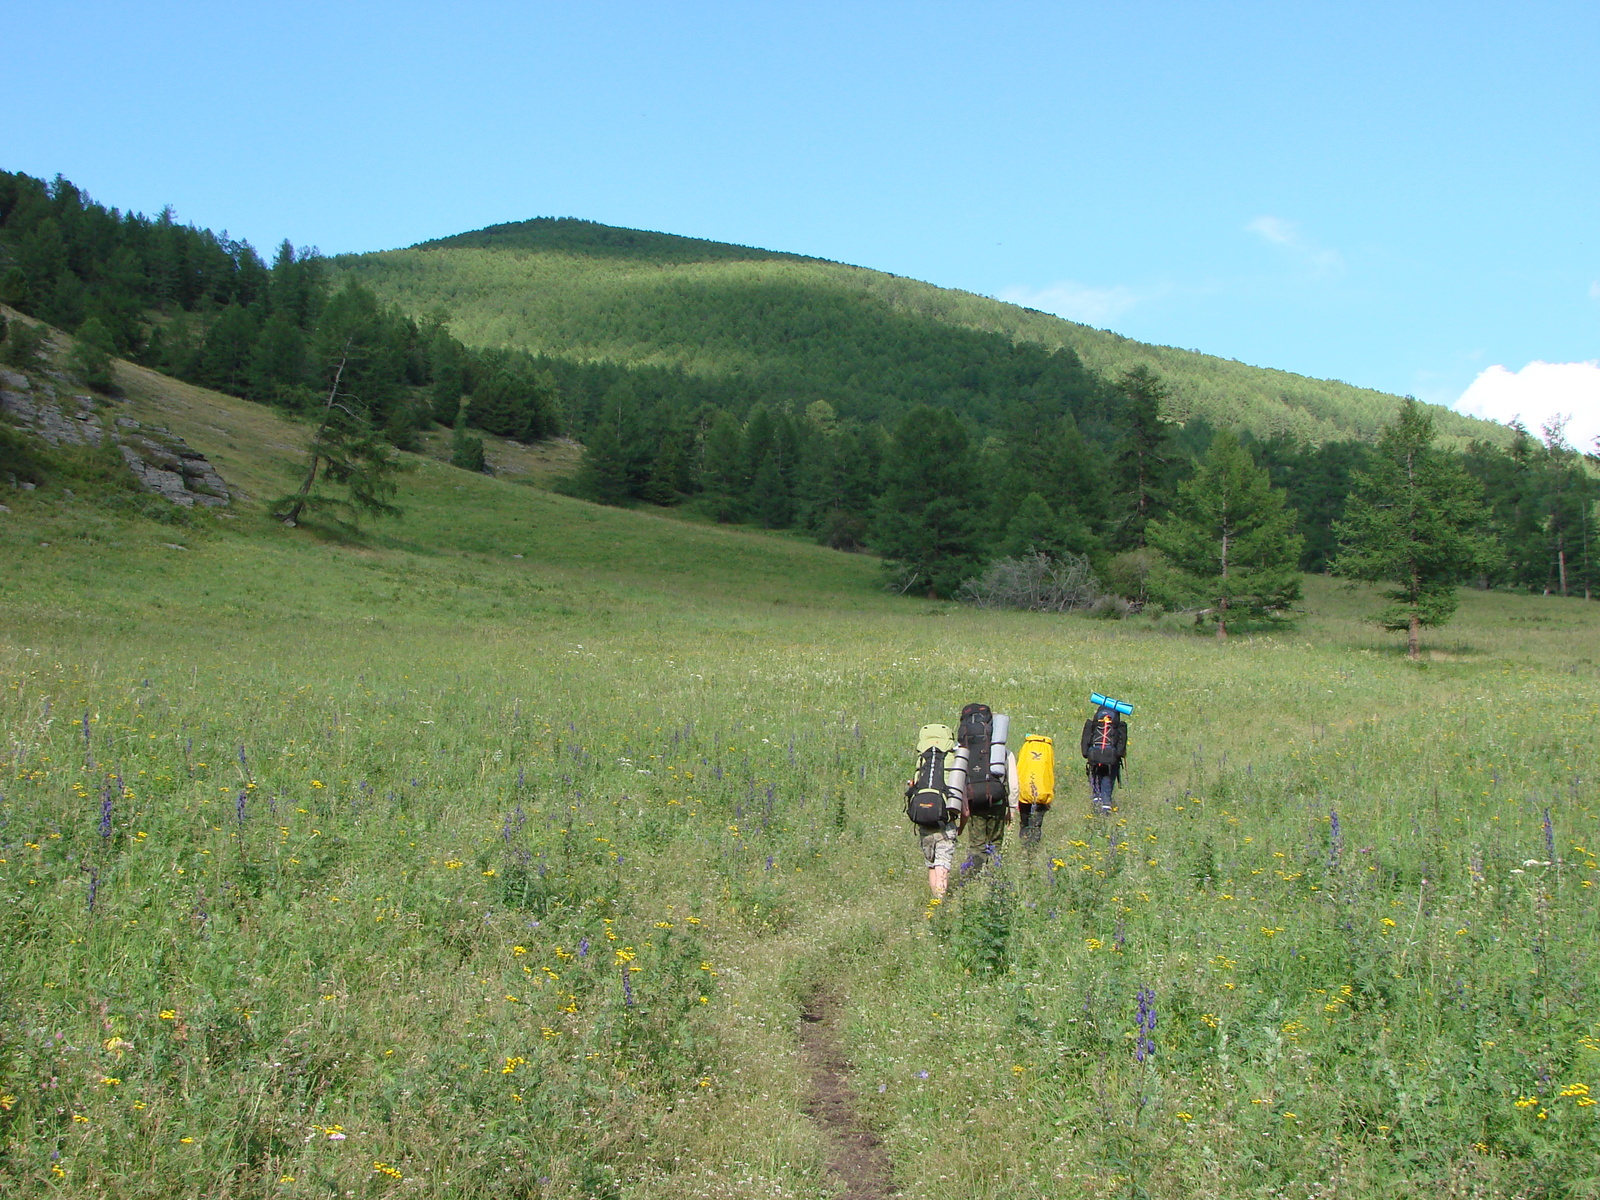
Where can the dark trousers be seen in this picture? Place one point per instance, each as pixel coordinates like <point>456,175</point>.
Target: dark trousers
<point>1102,780</point>
<point>1032,822</point>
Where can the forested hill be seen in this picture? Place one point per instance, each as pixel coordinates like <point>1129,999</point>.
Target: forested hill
<point>788,328</point>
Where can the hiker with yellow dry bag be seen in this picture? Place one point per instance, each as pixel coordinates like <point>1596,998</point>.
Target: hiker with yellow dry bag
<point>1104,746</point>
<point>1036,785</point>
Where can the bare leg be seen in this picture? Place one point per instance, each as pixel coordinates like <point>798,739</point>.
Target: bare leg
<point>938,880</point>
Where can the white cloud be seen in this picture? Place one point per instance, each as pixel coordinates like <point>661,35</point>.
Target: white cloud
<point>1594,290</point>
<point>1279,232</point>
<point>1537,393</point>
<point>1076,301</point>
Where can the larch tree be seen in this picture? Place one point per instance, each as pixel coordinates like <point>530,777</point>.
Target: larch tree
<point>1232,535</point>
<point>1415,520</point>
<point>348,452</point>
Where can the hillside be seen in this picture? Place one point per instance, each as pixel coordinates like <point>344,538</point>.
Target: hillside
<point>398,865</point>
<point>864,340</point>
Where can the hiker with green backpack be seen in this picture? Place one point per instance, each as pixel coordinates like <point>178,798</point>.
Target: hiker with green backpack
<point>935,802</point>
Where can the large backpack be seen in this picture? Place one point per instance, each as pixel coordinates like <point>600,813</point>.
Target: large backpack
<point>928,797</point>
<point>1106,738</point>
<point>1036,770</point>
<point>986,788</point>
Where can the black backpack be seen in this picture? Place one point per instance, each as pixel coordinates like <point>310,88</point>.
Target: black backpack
<point>1107,738</point>
<point>927,797</point>
<point>986,792</point>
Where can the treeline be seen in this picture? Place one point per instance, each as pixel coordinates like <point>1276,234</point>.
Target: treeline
<point>942,453</point>
<point>210,310</point>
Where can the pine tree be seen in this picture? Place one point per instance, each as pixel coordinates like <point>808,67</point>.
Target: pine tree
<point>603,471</point>
<point>278,359</point>
<point>925,525</point>
<point>1032,529</point>
<point>348,452</point>
<point>1416,520</point>
<point>90,357</point>
<point>1144,455</point>
<point>1231,534</point>
<point>466,451</point>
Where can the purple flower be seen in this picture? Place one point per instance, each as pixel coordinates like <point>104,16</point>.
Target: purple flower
<point>94,888</point>
<point>627,989</point>
<point>1144,1046</point>
<point>1549,837</point>
<point>922,1074</point>
<point>583,948</point>
<point>239,806</point>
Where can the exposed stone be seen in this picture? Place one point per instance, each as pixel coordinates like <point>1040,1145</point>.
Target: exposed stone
<point>160,460</point>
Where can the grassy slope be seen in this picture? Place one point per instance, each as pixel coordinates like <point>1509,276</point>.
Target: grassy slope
<point>675,722</point>
<point>649,298</point>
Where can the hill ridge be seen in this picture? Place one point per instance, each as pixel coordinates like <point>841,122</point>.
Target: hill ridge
<point>581,289</point>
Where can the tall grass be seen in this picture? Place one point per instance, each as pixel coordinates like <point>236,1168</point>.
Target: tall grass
<point>408,868</point>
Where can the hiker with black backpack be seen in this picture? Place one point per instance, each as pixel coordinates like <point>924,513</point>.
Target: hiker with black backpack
<point>1104,746</point>
<point>990,799</point>
<point>934,802</point>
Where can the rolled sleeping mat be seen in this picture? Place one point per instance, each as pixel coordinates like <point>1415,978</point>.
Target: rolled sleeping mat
<point>997,745</point>
<point>955,781</point>
<point>1099,701</point>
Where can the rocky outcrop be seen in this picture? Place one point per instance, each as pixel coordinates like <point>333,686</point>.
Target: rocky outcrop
<point>160,460</point>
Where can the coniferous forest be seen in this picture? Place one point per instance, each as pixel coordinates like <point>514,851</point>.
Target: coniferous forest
<point>939,446</point>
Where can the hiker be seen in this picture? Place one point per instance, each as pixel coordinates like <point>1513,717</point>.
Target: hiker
<point>934,802</point>
<point>1104,745</point>
<point>1036,786</point>
<point>990,793</point>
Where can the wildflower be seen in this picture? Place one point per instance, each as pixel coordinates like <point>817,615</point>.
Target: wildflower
<point>169,1014</point>
<point>922,1074</point>
<point>519,951</point>
<point>187,1141</point>
<point>1527,1102</point>
<point>1183,1116</point>
<point>109,1081</point>
<point>79,1117</point>
<point>7,1102</point>
<point>386,1169</point>
<point>1145,1046</point>
<point>316,783</point>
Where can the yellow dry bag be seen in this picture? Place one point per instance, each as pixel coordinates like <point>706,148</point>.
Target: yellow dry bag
<point>1036,770</point>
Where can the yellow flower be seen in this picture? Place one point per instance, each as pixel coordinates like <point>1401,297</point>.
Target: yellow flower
<point>109,1081</point>
<point>187,1141</point>
<point>316,783</point>
<point>1183,1116</point>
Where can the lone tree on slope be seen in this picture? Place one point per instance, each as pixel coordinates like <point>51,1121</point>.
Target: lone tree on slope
<point>1231,533</point>
<point>345,450</point>
<point>1414,520</point>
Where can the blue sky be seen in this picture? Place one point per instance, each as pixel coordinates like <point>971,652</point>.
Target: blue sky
<point>1404,196</point>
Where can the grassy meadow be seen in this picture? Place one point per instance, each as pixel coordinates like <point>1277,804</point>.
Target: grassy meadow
<point>397,865</point>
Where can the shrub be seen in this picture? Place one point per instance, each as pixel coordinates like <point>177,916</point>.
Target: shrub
<point>1035,582</point>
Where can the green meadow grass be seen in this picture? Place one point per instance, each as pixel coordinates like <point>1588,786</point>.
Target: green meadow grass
<point>395,865</point>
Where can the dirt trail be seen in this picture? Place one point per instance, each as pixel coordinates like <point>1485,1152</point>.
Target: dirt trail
<point>855,1158</point>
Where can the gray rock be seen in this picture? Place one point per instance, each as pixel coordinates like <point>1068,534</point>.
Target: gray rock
<point>160,460</point>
